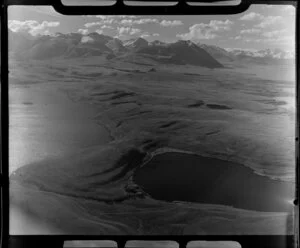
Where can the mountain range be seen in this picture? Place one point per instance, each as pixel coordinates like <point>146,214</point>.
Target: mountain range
<point>182,52</point>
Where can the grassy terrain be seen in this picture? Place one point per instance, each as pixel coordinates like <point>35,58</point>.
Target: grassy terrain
<point>143,110</point>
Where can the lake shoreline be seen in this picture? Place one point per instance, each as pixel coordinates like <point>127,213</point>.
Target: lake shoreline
<point>269,187</point>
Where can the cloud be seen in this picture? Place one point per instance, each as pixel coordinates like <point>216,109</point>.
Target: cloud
<point>134,31</point>
<point>16,26</point>
<point>108,21</point>
<point>237,37</point>
<point>155,34</point>
<point>220,25</point>
<point>275,33</point>
<point>102,22</point>
<point>250,31</point>
<point>129,16</point>
<point>127,31</point>
<point>130,32</point>
<point>268,21</point>
<point>99,31</point>
<point>206,31</point>
<point>173,23</point>
<point>273,53</point>
<point>83,31</point>
<point>122,19</point>
<point>107,27</point>
<point>126,22</point>
<point>271,38</point>
<point>288,40</point>
<point>48,32</point>
<point>86,39</point>
<point>92,24</point>
<point>265,20</point>
<point>31,26</point>
<point>130,22</point>
<point>103,17</point>
<point>145,35</point>
<point>252,16</point>
<point>198,32</point>
<point>145,21</point>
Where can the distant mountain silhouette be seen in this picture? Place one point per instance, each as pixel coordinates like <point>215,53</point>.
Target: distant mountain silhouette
<point>20,42</point>
<point>218,53</point>
<point>134,44</point>
<point>180,52</point>
<point>76,45</point>
<point>156,42</point>
<point>116,45</point>
<point>267,56</point>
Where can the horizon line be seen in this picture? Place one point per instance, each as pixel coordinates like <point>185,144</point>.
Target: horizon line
<point>166,42</point>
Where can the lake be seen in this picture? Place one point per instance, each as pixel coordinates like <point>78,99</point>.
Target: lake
<point>183,177</point>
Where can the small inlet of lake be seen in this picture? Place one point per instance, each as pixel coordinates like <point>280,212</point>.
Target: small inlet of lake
<point>191,178</point>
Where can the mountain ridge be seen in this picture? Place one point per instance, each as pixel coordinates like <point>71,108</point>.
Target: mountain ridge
<point>72,45</point>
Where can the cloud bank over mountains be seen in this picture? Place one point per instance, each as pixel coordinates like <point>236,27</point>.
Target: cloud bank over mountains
<point>33,27</point>
<point>261,27</point>
<point>206,31</point>
<point>262,31</point>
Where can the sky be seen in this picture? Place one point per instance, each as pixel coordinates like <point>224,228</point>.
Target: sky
<point>260,27</point>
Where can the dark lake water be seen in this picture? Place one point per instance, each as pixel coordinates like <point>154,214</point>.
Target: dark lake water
<point>192,178</point>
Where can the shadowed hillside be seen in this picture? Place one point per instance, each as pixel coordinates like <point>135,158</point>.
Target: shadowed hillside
<point>181,52</point>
